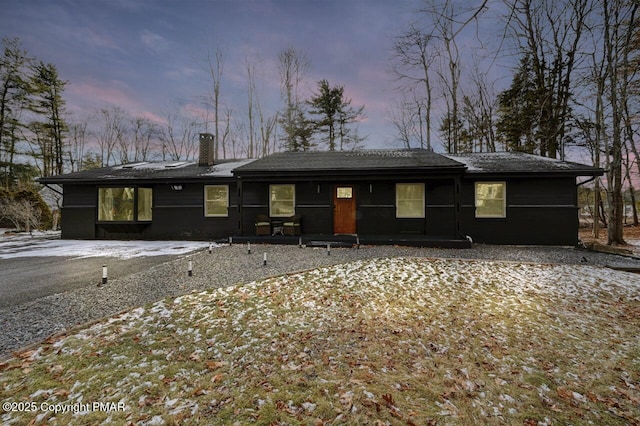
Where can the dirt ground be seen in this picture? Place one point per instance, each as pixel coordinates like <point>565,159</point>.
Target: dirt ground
<point>631,235</point>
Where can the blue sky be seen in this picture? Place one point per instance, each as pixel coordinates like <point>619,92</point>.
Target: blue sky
<point>149,56</point>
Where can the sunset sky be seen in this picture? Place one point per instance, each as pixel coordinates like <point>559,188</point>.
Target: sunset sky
<point>149,57</point>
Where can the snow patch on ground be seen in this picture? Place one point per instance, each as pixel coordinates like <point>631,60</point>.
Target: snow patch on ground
<point>429,339</point>
<point>46,244</point>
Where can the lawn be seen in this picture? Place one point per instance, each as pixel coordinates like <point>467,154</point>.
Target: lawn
<point>388,341</point>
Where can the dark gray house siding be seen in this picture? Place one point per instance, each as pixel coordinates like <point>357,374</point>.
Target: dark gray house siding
<point>375,206</point>
<point>175,216</point>
<point>538,211</point>
<point>181,216</point>
<point>176,213</point>
<point>79,212</point>
<point>541,198</point>
<point>373,175</point>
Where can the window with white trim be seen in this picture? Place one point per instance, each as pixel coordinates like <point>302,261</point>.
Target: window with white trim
<point>410,200</point>
<point>491,199</point>
<point>216,200</point>
<point>282,200</point>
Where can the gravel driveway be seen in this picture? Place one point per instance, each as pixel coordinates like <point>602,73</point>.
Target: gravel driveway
<point>26,323</point>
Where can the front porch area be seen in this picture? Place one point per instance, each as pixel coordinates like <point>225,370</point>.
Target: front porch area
<point>322,240</point>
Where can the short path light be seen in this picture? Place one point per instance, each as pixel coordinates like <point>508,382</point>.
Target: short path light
<point>328,249</point>
<point>190,270</point>
<point>210,247</point>
<point>264,259</point>
<point>104,274</point>
<point>248,247</point>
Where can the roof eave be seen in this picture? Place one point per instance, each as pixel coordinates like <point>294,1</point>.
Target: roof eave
<point>533,173</point>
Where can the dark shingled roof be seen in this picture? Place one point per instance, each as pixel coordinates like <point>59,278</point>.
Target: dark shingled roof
<point>350,161</point>
<point>381,161</point>
<point>520,163</point>
<point>166,170</point>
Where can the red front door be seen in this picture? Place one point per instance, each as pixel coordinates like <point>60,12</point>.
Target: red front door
<point>344,209</point>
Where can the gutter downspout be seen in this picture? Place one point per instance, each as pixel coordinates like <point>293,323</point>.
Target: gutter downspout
<point>588,180</point>
<point>53,189</point>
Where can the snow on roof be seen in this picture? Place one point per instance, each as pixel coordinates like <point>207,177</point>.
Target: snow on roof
<point>160,165</point>
<point>507,162</point>
<point>225,169</point>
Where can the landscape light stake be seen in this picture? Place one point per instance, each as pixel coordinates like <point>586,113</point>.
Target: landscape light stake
<point>104,274</point>
<point>248,247</point>
<point>328,249</point>
<point>264,259</point>
<point>300,242</point>
<point>230,240</point>
<point>190,271</point>
<point>357,242</point>
<point>210,247</point>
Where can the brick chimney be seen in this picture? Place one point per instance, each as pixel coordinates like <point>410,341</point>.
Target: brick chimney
<point>206,149</point>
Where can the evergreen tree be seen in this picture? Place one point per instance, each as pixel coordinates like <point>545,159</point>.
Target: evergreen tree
<point>517,110</point>
<point>326,104</point>
<point>14,89</point>
<point>50,129</point>
<point>448,131</point>
<point>335,114</point>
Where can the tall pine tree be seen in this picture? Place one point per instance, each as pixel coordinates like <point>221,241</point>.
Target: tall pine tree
<point>50,128</point>
<point>334,115</point>
<point>14,89</point>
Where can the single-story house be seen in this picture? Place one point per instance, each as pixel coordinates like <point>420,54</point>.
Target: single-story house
<point>380,196</point>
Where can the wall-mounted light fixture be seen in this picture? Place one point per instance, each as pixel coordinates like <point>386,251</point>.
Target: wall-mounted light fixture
<point>176,187</point>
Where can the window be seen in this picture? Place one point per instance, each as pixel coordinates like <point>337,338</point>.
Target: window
<point>344,192</point>
<point>121,204</point>
<point>410,200</point>
<point>490,199</point>
<point>145,203</point>
<point>216,200</point>
<point>282,200</point>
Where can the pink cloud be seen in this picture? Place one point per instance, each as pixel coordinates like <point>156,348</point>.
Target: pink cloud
<point>153,117</point>
<point>92,95</point>
<point>97,93</point>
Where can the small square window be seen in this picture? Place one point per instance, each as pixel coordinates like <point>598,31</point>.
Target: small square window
<point>216,200</point>
<point>282,200</point>
<point>410,200</point>
<point>491,199</point>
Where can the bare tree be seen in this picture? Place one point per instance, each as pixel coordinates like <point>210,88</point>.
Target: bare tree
<point>415,55</point>
<point>431,46</point>
<point>111,133</point>
<point>251,89</point>
<point>144,134</point>
<point>403,118</point>
<point>619,26</point>
<point>23,214</point>
<point>550,35</point>
<point>479,107</point>
<point>293,65</point>
<point>216,68</point>
<point>78,136</point>
<point>179,138</point>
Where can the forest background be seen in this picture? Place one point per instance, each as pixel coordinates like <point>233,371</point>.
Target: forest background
<point>571,92</point>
